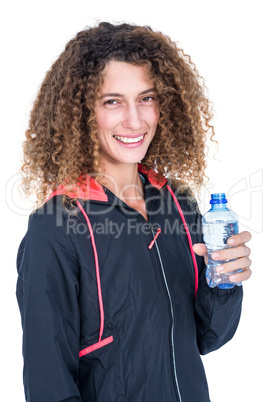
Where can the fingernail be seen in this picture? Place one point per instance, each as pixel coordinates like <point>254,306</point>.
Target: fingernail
<point>232,278</point>
<point>220,268</point>
<point>231,241</point>
<point>215,256</point>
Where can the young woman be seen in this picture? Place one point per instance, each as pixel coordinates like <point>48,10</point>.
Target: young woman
<point>114,301</point>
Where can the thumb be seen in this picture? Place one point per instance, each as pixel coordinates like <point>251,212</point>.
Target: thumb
<point>200,249</point>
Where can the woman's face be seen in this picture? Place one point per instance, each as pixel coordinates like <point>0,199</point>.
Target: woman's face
<point>127,113</point>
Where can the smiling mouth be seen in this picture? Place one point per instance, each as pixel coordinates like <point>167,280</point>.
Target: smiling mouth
<point>129,140</point>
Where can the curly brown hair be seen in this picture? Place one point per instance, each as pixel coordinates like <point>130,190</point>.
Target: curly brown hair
<point>61,141</point>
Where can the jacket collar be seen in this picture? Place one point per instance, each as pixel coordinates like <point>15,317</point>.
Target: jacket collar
<point>152,176</point>
<point>88,188</point>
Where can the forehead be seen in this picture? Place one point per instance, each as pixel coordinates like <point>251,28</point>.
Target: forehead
<point>123,75</point>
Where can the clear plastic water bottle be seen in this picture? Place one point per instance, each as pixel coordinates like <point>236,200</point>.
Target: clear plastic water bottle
<point>218,224</point>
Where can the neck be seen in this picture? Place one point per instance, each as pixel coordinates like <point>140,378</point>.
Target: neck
<point>123,180</point>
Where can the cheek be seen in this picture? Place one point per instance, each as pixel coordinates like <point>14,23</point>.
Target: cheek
<point>155,117</point>
<point>150,116</point>
<point>106,121</point>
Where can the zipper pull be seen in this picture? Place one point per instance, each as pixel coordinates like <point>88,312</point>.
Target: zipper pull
<point>154,239</point>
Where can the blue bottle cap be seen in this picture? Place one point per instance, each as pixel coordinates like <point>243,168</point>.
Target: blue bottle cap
<point>218,198</point>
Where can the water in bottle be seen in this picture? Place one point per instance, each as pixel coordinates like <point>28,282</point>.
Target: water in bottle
<point>218,224</point>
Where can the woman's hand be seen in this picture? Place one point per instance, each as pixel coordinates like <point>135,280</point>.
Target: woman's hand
<point>240,253</point>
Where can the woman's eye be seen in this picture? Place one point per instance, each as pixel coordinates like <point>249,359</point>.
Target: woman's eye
<point>147,99</point>
<point>110,102</point>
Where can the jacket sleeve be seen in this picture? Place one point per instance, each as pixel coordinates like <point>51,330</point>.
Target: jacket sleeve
<point>217,311</point>
<point>47,294</point>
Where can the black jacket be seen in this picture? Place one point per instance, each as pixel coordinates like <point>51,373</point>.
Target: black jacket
<point>105,317</point>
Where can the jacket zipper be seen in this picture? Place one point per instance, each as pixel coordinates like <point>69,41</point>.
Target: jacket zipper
<point>172,315</point>
<point>170,302</point>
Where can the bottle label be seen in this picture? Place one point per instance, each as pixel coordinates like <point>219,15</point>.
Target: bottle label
<point>216,234</point>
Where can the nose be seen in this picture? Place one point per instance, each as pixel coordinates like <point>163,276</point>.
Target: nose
<point>132,118</point>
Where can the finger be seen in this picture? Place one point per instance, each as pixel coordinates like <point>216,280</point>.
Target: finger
<point>242,276</point>
<point>200,249</point>
<point>239,238</point>
<point>240,263</point>
<point>231,253</point>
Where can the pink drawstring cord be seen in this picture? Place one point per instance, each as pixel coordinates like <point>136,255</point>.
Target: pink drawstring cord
<point>154,239</point>
<point>97,269</point>
<point>188,236</point>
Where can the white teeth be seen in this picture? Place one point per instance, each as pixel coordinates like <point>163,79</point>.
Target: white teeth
<point>127,140</point>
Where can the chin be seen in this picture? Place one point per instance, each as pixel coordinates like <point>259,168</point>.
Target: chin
<point>134,159</point>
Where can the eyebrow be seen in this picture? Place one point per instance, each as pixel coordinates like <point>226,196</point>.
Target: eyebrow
<point>120,95</point>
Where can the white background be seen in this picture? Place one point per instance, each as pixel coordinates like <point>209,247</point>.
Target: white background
<point>227,40</point>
